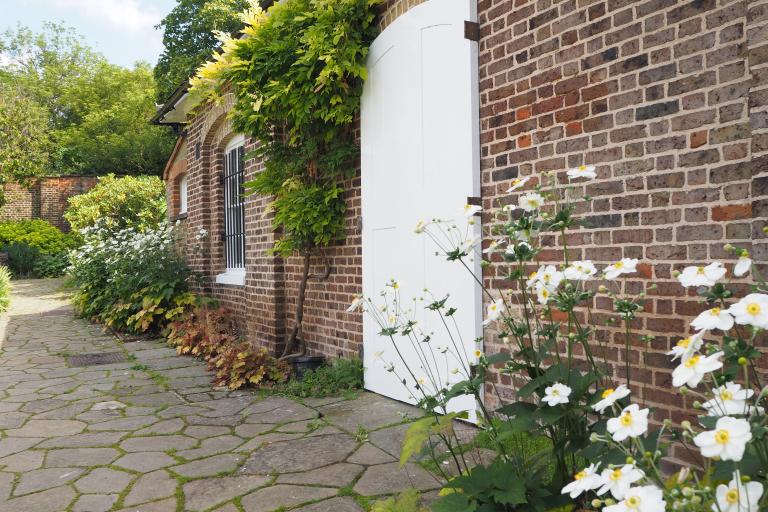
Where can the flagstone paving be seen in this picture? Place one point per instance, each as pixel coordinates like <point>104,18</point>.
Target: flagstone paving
<point>151,435</point>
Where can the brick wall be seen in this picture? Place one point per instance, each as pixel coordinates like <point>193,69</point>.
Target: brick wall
<point>45,199</point>
<point>667,99</point>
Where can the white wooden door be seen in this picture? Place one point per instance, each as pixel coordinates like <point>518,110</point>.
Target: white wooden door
<point>420,160</point>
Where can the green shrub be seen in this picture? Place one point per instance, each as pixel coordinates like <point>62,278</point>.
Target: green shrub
<point>51,265</point>
<point>130,280</point>
<point>343,375</point>
<point>5,288</point>
<point>21,259</point>
<point>48,239</point>
<point>117,203</point>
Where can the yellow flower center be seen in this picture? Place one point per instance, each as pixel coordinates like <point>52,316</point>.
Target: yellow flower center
<point>555,392</point>
<point>533,202</point>
<point>700,271</point>
<point>533,275</point>
<point>715,311</point>
<point>582,167</point>
<point>608,392</point>
<point>626,419</point>
<point>732,496</point>
<point>547,278</point>
<point>753,308</point>
<point>516,181</point>
<point>615,474</point>
<point>722,436</point>
<point>684,343</point>
<point>726,395</point>
<point>692,361</point>
<point>633,502</point>
<point>581,474</point>
<point>544,293</point>
<point>478,353</point>
<point>619,264</point>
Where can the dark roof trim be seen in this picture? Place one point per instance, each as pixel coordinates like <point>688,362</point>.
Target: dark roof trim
<point>170,104</point>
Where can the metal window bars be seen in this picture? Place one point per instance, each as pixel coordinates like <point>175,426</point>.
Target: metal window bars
<point>234,207</point>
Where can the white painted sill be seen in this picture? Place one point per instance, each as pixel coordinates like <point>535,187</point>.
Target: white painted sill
<point>232,276</point>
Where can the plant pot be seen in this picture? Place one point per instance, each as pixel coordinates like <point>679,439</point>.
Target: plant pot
<point>301,364</point>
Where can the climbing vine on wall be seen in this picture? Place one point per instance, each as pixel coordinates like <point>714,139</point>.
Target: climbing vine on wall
<point>297,73</point>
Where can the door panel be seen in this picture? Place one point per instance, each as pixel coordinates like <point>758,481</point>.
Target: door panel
<point>420,160</point>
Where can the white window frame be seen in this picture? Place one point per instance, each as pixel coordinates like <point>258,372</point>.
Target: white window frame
<point>234,213</point>
<point>183,187</point>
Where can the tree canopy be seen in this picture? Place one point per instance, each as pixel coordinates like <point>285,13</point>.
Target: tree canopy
<point>188,37</point>
<point>96,112</point>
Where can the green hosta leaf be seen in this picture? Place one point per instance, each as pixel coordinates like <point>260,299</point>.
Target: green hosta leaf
<point>453,503</point>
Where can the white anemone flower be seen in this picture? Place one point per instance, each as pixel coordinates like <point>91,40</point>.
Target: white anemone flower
<point>728,440</point>
<point>691,371</point>
<point>582,171</point>
<point>543,294</point>
<point>687,347</point>
<point>738,496</point>
<point>585,480</point>
<point>494,310</point>
<point>492,247</point>
<point>580,270</point>
<point>611,396</point>
<point>751,310</point>
<point>632,422</point>
<point>728,399</point>
<point>356,304</point>
<point>702,276</point>
<point>619,480</point>
<point>743,265</point>
<point>556,394</point>
<point>518,183</point>
<point>470,210</point>
<point>531,201</point>
<point>549,276</point>
<point>624,266</point>
<point>647,498</point>
<point>715,318</point>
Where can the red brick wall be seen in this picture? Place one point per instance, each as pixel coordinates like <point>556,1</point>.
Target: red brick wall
<point>45,199</point>
<point>667,98</point>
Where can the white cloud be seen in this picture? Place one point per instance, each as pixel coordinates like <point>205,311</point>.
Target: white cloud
<point>127,15</point>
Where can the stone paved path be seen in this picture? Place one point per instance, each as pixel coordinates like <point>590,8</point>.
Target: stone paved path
<point>150,434</point>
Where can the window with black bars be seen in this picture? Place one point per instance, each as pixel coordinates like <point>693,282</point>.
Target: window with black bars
<point>234,207</point>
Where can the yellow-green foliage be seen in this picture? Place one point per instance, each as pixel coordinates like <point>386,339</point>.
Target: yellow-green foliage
<point>116,203</point>
<point>5,288</point>
<point>48,239</point>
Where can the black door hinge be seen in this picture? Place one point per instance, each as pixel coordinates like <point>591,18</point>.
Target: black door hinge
<point>472,30</point>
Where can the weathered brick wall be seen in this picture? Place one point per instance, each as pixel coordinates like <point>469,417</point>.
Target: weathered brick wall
<point>45,199</point>
<point>667,99</point>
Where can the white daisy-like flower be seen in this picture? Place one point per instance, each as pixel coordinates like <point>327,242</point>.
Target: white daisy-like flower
<point>624,266</point>
<point>580,270</point>
<point>619,480</point>
<point>751,310</point>
<point>728,399</point>
<point>702,276</point>
<point>530,283</point>
<point>610,396</point>
<point>743,265</point>
<point>493,311</point>
<point>556,394</point>
<point>470,210</point>
<point>549,276</point>
<point>518,183</point>
<point>647,498</point>
<point>582,171</point>
<point>492,246</point>
<point>715,318</point>
<point>687,347</point>
<point>531,201</point>
<point>585,480</point>
<point>728,440</point>
<point>632,422</point>
<point>691,371</point>
<point>543,295</point>
<point>738,496</point>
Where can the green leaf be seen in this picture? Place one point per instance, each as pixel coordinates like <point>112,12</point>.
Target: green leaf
<point>453,503</point>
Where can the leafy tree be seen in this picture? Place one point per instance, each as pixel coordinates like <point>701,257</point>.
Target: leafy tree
<point>188,38</point>
<point>297,73</point>
<point>97,112</point>
<point>24,140</point>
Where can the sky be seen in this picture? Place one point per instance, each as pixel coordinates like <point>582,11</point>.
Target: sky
<point>122,30</point>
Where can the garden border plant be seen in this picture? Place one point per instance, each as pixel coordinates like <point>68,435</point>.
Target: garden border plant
<point>565,388</point>
<point>297,71</point>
